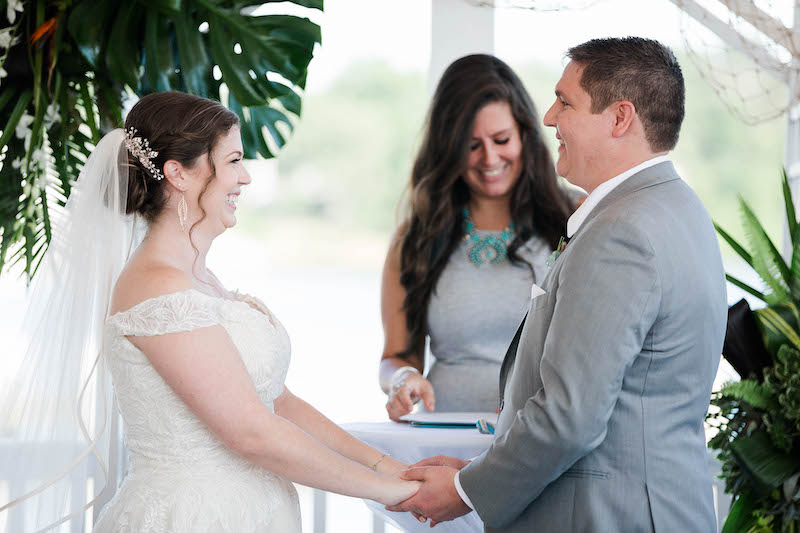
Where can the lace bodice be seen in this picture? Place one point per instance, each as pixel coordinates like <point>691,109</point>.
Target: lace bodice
<point>172,453</point>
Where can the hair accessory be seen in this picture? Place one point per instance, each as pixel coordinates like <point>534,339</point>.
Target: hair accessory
<point>139,147</point>
<point>183,211</point>
<point>486,249</point>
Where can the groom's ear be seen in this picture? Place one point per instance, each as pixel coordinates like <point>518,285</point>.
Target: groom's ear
<point>624,115</point>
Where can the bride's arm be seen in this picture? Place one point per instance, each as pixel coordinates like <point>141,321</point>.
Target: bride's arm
<point>205,370</point>
<point>315,423</point>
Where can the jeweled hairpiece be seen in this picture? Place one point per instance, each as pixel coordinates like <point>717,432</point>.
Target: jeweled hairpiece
<point>139,147</point>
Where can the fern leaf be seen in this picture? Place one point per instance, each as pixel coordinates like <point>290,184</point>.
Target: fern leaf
<point>751,392</point>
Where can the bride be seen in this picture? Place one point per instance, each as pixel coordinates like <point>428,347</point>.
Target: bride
<point>215,439</point>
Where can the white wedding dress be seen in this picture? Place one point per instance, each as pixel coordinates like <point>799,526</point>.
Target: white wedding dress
<point>181,477</point>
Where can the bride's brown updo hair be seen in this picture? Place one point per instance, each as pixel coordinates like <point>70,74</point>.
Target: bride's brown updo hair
<point>178,126</point>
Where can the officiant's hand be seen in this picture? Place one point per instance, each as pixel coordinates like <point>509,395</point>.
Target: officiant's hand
<point>412,388</point>
<point>437,499</point>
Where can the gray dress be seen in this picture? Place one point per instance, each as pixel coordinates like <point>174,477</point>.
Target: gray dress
<point>472,317</point>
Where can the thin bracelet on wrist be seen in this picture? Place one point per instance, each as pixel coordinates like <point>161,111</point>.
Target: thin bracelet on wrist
<point>375,466</point>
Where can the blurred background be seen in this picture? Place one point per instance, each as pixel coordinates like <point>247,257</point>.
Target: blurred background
<point>314,225</point>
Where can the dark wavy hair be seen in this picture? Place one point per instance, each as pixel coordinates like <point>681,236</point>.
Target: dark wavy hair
<point>180,127</point>
<point>438,193</point>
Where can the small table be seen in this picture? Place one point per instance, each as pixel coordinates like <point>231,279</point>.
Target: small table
<point>412,444</point>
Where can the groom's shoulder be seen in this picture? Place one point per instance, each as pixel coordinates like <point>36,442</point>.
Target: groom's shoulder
<point>662,200</point>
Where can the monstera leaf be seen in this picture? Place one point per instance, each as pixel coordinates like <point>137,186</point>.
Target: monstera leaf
<point>69,66</point>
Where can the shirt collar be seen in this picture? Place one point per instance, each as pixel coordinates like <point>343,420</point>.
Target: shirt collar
<point>579,216</point>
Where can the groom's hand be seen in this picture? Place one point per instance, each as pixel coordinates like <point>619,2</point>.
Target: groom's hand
<point>442,460</point>
<point>437,499</point>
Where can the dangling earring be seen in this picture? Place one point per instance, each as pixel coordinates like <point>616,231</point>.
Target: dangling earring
<point>183,212</point>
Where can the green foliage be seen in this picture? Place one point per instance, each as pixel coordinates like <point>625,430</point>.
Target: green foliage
<point>758,422</point>
<point>779,324</point>
<point>755,394</point>
<point>72,64</point>
<point>782,280</point>
<point>758,443</point>
<point>783,379</point>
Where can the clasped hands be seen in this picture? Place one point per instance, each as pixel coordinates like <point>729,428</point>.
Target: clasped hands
<point>437,498</point>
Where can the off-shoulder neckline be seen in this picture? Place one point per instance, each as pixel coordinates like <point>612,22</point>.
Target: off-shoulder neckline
<point>133,308</point>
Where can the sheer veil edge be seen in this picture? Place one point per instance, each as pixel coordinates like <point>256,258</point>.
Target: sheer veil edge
<point>58,418</point>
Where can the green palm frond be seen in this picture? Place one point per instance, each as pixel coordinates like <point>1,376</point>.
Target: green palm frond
<point>766,260</point>
<point>794,235</point>
<point>747,288</point>
<point>738,248</point>
<point>791,217</point>
<point>779,324</point>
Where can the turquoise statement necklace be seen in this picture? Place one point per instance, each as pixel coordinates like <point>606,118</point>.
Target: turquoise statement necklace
<point>487,248</point>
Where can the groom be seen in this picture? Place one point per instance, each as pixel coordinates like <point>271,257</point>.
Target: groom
<point>607,382</point>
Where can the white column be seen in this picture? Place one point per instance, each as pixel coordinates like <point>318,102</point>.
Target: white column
<point>458,28</point>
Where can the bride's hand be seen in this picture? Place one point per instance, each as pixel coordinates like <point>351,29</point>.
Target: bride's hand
<point>392,466</point>
<point>398,490</point>
<point>409,391</point>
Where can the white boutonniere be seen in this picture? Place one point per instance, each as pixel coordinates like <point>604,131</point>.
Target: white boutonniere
<point>562,243</point>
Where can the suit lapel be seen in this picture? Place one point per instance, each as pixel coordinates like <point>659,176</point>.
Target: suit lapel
<point>655,175</point>
<point>508,360</point>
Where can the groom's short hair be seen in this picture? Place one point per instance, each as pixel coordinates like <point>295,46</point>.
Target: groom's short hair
<point>641,71</point>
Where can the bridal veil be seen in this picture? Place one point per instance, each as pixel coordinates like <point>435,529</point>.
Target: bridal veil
<point>56,432</point>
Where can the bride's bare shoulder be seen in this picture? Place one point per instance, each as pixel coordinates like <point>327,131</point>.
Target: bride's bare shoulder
<point>143,280</point>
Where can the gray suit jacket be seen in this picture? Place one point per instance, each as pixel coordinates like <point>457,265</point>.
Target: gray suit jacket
<point>607,385</point>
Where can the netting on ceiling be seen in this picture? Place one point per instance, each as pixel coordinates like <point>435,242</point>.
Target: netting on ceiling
<point>536,5</point>
<point>746,50</point>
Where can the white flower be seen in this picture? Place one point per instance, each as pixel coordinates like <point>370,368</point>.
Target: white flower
<point>17,163</point>
<point>51,116</point>
<point>6,39</point>
<point>24,126</point>
<point>12,8</point>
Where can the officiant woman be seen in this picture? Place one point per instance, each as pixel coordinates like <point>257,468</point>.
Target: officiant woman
<point>484,213</point>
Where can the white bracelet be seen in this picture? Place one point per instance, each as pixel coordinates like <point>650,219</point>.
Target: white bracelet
<point>401,373</point>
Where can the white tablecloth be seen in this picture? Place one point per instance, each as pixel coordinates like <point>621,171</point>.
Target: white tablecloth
<point>411,444</point>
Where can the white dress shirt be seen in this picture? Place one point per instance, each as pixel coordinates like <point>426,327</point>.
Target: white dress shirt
<point>573,224</point>
<point>602,190</point>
